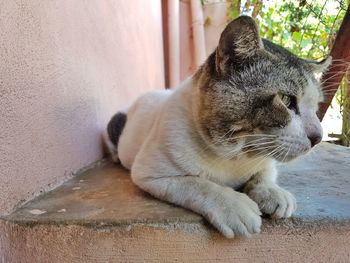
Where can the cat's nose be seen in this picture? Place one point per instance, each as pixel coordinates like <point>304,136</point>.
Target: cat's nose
<point>314,139</point>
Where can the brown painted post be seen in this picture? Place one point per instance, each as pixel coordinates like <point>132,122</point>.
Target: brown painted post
<point>335,73</point>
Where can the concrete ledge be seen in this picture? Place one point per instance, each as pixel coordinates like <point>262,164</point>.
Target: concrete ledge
<point>101,216</point>
<point>145,243</point>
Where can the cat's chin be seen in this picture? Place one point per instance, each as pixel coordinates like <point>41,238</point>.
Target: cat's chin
<point>287,159</point>
<point>292,157</point>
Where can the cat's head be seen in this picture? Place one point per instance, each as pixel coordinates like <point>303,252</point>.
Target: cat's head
<point>257,94</point>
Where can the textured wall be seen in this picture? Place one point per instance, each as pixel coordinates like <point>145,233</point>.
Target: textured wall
<point>65,67</point>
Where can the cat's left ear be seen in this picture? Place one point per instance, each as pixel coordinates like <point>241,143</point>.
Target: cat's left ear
<point>319,67</point>
<point>240,40</point>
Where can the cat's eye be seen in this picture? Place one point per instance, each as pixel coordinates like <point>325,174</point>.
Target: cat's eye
<point>290,102</point>
<point>286,100</point>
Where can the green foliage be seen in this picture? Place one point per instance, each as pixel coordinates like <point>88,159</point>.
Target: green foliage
<point>307,28</point>
<point>234,8</point>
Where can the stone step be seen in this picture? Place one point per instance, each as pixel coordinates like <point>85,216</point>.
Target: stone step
<point>100,216</point>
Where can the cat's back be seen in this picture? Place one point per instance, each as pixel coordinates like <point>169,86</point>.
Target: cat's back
<point>140,119</point>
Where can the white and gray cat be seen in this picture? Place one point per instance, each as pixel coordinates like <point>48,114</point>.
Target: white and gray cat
<point>251,104</point>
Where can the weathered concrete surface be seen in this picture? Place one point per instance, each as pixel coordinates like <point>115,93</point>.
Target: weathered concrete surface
<point>321,183</point>
<point>101,216</point>
<point>140,243</point>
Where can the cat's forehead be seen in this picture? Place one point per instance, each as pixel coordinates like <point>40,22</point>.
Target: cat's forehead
<point>272,76</point>
<point>297,75</point>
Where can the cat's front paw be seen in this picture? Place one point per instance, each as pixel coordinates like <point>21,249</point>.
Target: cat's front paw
<point>273,200</point>
<point>234,213</point>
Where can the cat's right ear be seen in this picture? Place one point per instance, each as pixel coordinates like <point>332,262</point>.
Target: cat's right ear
<point>239,41</point>
<point>318,67</point>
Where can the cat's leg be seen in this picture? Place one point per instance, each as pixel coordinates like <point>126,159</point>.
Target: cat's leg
<point>271,198</point>
<point>231,212</point>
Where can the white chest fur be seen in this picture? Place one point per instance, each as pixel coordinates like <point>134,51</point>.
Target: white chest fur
<point>233,172</point>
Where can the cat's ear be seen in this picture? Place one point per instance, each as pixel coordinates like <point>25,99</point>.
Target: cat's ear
<point>319,67</point>
<point>239,41</point>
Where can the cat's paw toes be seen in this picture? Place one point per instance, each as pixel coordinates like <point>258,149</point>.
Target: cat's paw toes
<point>274,201</point>
<point>235,214</point>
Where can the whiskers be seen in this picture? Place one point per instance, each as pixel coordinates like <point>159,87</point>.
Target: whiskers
<point>264,144</point>
<point>253,164</point>
<point>227,138</point>
<point>330,81</point>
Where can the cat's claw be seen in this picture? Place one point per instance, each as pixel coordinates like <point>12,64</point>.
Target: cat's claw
<point>273,200</point>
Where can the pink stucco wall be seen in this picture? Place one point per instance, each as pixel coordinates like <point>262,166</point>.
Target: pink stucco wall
<point>65,68</point>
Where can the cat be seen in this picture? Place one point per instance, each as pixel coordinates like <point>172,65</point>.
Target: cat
<point>251,105</point>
